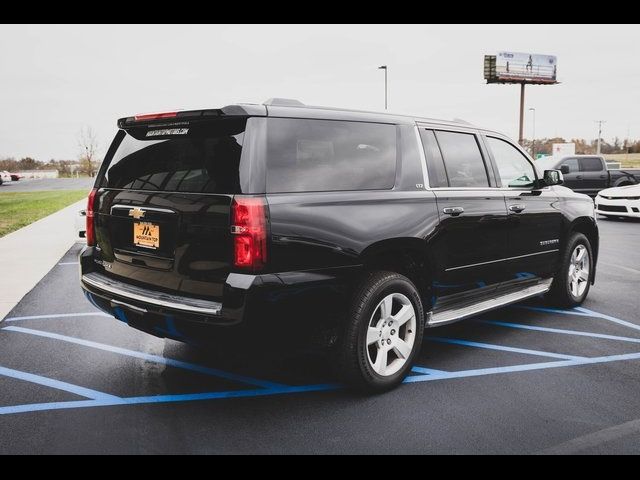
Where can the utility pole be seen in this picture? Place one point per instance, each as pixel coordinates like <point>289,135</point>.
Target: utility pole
<point>533,139</point>
<point>599,122</point>
<point>626,158</point>
<point>386,90</point>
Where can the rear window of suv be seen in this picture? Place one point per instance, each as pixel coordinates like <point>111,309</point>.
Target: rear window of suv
<point>325,155</point>
<point>196,158</point>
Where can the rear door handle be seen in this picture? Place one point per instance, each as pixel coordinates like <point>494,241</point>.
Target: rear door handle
<point>603,176</point>
<point>517,208</point>
<point>578,177</point>
<point>453,211</point>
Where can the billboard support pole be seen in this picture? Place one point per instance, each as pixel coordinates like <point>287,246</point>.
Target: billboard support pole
<point>521,135</point>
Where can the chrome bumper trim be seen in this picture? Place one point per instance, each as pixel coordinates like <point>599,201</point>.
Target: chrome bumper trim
<point>149,297</point>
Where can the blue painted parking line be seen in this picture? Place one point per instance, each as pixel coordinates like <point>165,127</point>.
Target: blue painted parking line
<point>43,407</point>
<point>308,388</point>
<point>591,313</point>
<point>581,312</point>
<point>56,384</point>
<point>523,368</point>
<point>56,316</point>
<point>560,331</point>
<point>149,357</point>
<point>427,371</point>
<point>98,399</point>
<point>155,399</point>
<point>553,310</point>
<point>503,348</point>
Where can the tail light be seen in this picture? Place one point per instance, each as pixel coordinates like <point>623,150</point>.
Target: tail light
<point>91,229</point>
<point>249,229</point>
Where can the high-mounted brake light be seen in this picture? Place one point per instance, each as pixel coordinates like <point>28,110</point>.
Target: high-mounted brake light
<point>249,229</point>
<point>154,116</point>
<point>91,228</point>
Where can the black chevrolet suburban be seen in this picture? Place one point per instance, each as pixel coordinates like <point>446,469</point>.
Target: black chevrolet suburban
<point>349,230</point>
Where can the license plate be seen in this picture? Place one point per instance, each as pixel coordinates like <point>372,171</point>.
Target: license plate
<point>146,235</point>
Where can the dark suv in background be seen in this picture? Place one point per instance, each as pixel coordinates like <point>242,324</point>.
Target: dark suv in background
<point>345,229</point>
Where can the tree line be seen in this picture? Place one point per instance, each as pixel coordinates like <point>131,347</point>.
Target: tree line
<point>87,163</point>
<point>584,147</point>
<point>65,168</point>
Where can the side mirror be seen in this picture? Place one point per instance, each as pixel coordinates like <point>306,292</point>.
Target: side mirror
<point>554,177</point>
<point>564,169</point>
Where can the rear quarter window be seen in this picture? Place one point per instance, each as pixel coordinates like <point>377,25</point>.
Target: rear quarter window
<point>323,155</point>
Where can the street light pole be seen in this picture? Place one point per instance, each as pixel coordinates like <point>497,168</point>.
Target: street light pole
<point>521,133</point>
<point>384,67</point>
<point>599,122</point>
<point>533,135</point>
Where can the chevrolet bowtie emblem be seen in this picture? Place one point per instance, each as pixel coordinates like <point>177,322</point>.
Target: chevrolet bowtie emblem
<point>136,213</point>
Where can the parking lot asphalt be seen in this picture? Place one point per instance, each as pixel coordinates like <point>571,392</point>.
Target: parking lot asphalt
<point>524,379</point>
<point>43,184</point>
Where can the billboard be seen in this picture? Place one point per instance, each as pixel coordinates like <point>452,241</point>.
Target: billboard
<point>517,67</point>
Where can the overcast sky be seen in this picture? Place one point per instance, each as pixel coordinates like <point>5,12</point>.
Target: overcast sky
<point>56,79</point>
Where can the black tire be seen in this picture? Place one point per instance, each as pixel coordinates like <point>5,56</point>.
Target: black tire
<point>560,293</point>
<point>353,360</point>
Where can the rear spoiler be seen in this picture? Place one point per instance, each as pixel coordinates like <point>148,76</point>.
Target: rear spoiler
<point>243,110</point>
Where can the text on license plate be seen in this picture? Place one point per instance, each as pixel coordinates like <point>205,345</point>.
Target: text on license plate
<point>146,235</point>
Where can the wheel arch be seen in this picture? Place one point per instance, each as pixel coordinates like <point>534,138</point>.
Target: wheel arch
<point>623,182</point>
<point>407,256</point>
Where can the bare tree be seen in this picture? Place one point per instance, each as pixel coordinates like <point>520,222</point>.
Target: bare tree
<point>88,143</point>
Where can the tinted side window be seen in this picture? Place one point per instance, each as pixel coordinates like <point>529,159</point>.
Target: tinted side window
<point>590,164</point>
<point>435,165</point>
<point>462,159</point>
<point>514,169</point>
<point>572,163</point>
<point>322,155</point>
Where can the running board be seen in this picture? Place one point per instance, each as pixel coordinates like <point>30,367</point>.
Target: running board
<point>454,314</point>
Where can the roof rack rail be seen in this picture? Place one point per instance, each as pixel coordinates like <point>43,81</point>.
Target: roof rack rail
<point>285,102</point>
<point>464,122</point>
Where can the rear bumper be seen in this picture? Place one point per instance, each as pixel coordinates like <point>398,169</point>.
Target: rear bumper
<point>106,286</point>
<point>256,304</point>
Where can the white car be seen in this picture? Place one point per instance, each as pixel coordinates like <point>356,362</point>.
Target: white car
<point>5,177</point>
<point>619,202</point>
